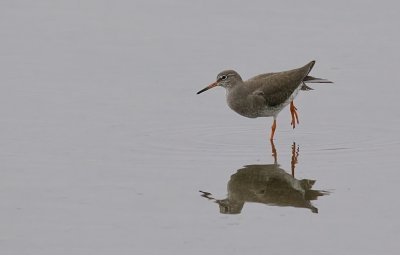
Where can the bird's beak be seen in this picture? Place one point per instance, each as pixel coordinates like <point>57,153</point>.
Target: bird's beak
<point>212,85</point>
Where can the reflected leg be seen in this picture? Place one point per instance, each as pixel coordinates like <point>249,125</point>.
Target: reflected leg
<point>274,153</point>
<point>295,155</point>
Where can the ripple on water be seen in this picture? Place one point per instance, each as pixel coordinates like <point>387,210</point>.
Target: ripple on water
<point>191,141</point>
<point>227,140</point>
<point>351,139</point>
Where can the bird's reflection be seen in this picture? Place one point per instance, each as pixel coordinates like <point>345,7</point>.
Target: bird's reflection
<point>268,184</point>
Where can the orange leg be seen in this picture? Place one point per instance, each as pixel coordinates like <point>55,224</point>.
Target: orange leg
<point>273,127</point>
<point>293,112</point>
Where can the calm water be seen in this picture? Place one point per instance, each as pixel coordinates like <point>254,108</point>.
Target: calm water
<point>105,146</point>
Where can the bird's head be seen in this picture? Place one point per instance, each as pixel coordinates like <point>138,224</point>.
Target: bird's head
<point>227,79</point>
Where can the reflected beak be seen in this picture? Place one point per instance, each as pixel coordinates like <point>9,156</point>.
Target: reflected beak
<point>212,85</point>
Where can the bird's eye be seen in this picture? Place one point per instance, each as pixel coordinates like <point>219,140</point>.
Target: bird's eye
<point>223,77</point>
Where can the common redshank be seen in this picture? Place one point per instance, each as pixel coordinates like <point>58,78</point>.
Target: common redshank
<point>265,95</point>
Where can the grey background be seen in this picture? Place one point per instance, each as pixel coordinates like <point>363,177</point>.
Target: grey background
<point>104,144</point>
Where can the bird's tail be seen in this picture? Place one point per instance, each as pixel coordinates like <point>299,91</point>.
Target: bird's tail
<point>310,79</point>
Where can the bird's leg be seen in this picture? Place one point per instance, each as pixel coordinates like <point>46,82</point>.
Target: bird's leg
<point>273,127</point>
<point>293,112</point>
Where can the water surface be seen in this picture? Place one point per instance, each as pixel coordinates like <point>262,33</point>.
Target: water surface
<point>105,145</point>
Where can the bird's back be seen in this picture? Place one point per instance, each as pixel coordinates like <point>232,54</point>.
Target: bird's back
<point>277,87</point>
<point>266,94</point>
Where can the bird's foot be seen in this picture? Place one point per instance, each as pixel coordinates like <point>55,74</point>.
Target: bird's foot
<point>295,117</point>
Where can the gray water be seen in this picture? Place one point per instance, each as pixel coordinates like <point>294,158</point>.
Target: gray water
<point>105,145</point>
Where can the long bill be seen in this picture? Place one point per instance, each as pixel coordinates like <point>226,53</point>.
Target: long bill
<point>212,85</point>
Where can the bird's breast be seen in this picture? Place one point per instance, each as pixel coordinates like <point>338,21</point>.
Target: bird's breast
<point>245,105</point>
<point>252,106</point>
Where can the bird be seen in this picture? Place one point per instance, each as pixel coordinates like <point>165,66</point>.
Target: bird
<point>267,94</point>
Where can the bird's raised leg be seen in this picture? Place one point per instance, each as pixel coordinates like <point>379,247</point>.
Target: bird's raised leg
<point>273,127</point>
<point>293,112</point>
